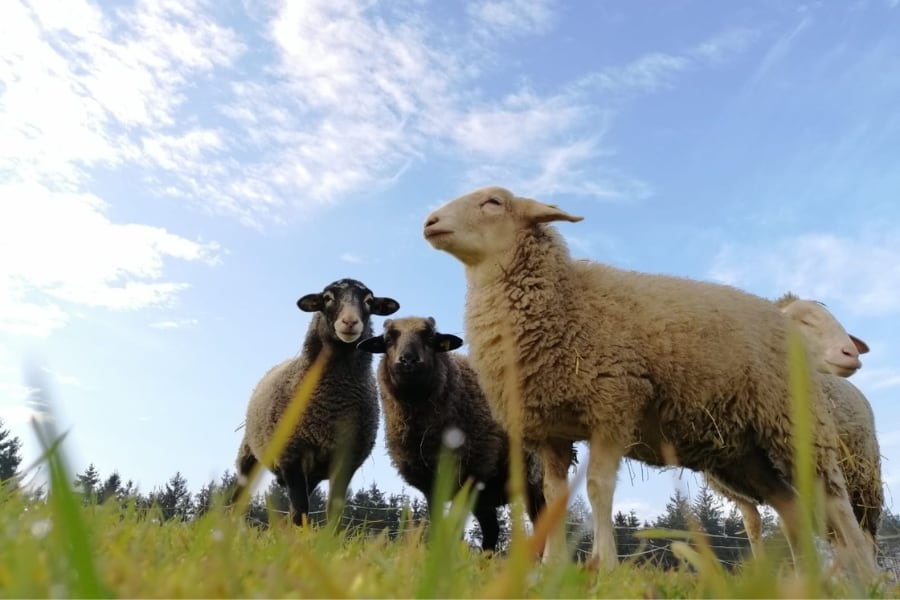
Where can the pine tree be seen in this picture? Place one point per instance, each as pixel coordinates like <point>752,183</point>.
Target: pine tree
<point>676,517</point>
<point>580,528</point>
<point>708,510</point>
<point>111,489</point>
<point>175,499</point>
<point>625,529</point>
<point>88,483</point>
<point>10,458</point>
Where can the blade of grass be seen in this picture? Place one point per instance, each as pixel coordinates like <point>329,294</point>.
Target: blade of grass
<point>804,461</point>
<point>444,529</point>
<point>80,570</point>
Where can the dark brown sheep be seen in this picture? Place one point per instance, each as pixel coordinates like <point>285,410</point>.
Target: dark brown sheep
<point>426,392</point>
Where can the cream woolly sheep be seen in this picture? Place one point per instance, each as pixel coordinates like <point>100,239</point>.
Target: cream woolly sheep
<point>835,353</point>
<point>427,391</point>
<point>662,369</point>
<point>340,423</point>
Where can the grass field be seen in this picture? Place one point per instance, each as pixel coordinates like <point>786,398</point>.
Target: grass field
<point>102,551</point>
<point>59,548</point>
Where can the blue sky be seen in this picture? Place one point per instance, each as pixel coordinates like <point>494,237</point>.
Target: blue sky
<point>174,175</point>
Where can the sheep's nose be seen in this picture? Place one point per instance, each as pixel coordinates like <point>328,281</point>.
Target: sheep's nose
<point>432,219</point>
<point>349,322</point>
<point>850,351</point>
<point>409,358</point>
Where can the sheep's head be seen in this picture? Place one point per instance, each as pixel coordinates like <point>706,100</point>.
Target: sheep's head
<point>485,223</point>
<point>346,306</point>
<point>832,349</point>
<point>410,346</point>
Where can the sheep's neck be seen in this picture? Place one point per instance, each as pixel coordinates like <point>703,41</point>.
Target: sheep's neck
<point>507,304</point>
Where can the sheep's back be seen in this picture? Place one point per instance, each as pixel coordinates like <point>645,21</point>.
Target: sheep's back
<point>601,349</point>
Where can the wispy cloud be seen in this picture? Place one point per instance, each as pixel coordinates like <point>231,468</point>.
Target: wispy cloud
<point>725,46</point>
<point>352,258</point>
<point>779,50</point>
<point>863,274</point>
<point>67,252</point>
<point>878,378</point>
<point>508,18</point>
<point>344,96</point>
<point>83,88</point>
<point>175,324</point>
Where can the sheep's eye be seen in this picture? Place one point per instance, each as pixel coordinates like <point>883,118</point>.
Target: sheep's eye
<point>328,297</point>
<point>369,300</point>
<point>491,200</point>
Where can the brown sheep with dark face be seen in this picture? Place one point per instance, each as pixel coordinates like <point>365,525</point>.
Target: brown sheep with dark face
<point>338,428</point>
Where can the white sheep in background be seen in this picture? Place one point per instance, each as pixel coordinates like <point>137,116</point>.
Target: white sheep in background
<point>835,354</point>
<point>663,369</point>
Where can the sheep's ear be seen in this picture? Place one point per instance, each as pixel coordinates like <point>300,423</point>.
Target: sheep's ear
<point>311,303</point>
<point>861,346</point>
<point>384,306</point>
<point>374,344</point>
<point>538,212</point>
<point>445,342</point>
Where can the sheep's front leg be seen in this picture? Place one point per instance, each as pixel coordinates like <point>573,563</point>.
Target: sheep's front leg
<point>557,457</point>
<point>603,465</point>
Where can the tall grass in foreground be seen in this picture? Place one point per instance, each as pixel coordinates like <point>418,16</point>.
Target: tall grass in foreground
<point>61,549</point>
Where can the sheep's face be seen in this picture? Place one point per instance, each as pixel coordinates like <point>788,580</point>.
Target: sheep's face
<point>832,350</point>
<point>347,305</point>
<point>410,346</point>
<point>485,223</point>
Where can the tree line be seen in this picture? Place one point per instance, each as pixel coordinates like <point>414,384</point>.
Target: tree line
<point>372,511</point>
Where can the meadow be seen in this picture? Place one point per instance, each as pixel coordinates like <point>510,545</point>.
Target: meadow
<point>56,547</point>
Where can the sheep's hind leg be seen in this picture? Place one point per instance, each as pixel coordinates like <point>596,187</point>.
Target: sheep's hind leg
<point>557,456</point>
<point>298,492</point>
<point>850,542</point>
<point>603,465</point>
<point>752,525</point>
<point>490,526</point>
<point>246,461</point>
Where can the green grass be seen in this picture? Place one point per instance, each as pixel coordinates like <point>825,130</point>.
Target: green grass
<point>60,548</point>
<point>220,556</point>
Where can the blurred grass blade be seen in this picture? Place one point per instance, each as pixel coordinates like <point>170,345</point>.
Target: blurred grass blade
<point>79,570</point>
<point>804,461</point>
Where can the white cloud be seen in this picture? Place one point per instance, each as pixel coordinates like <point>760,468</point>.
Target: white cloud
<point>861,273</point>
<point>877,378</point>
<point>352,258</point>
<point>724,46</point>
<point>67,380</point>
<point>512,17</point>
<point>58,249</point>
<point>343,99</point>
<point>779,50</point>
<point>82,88</point>
<point>517,125</point>
<point>649,73</point>
<point>175,324</point>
